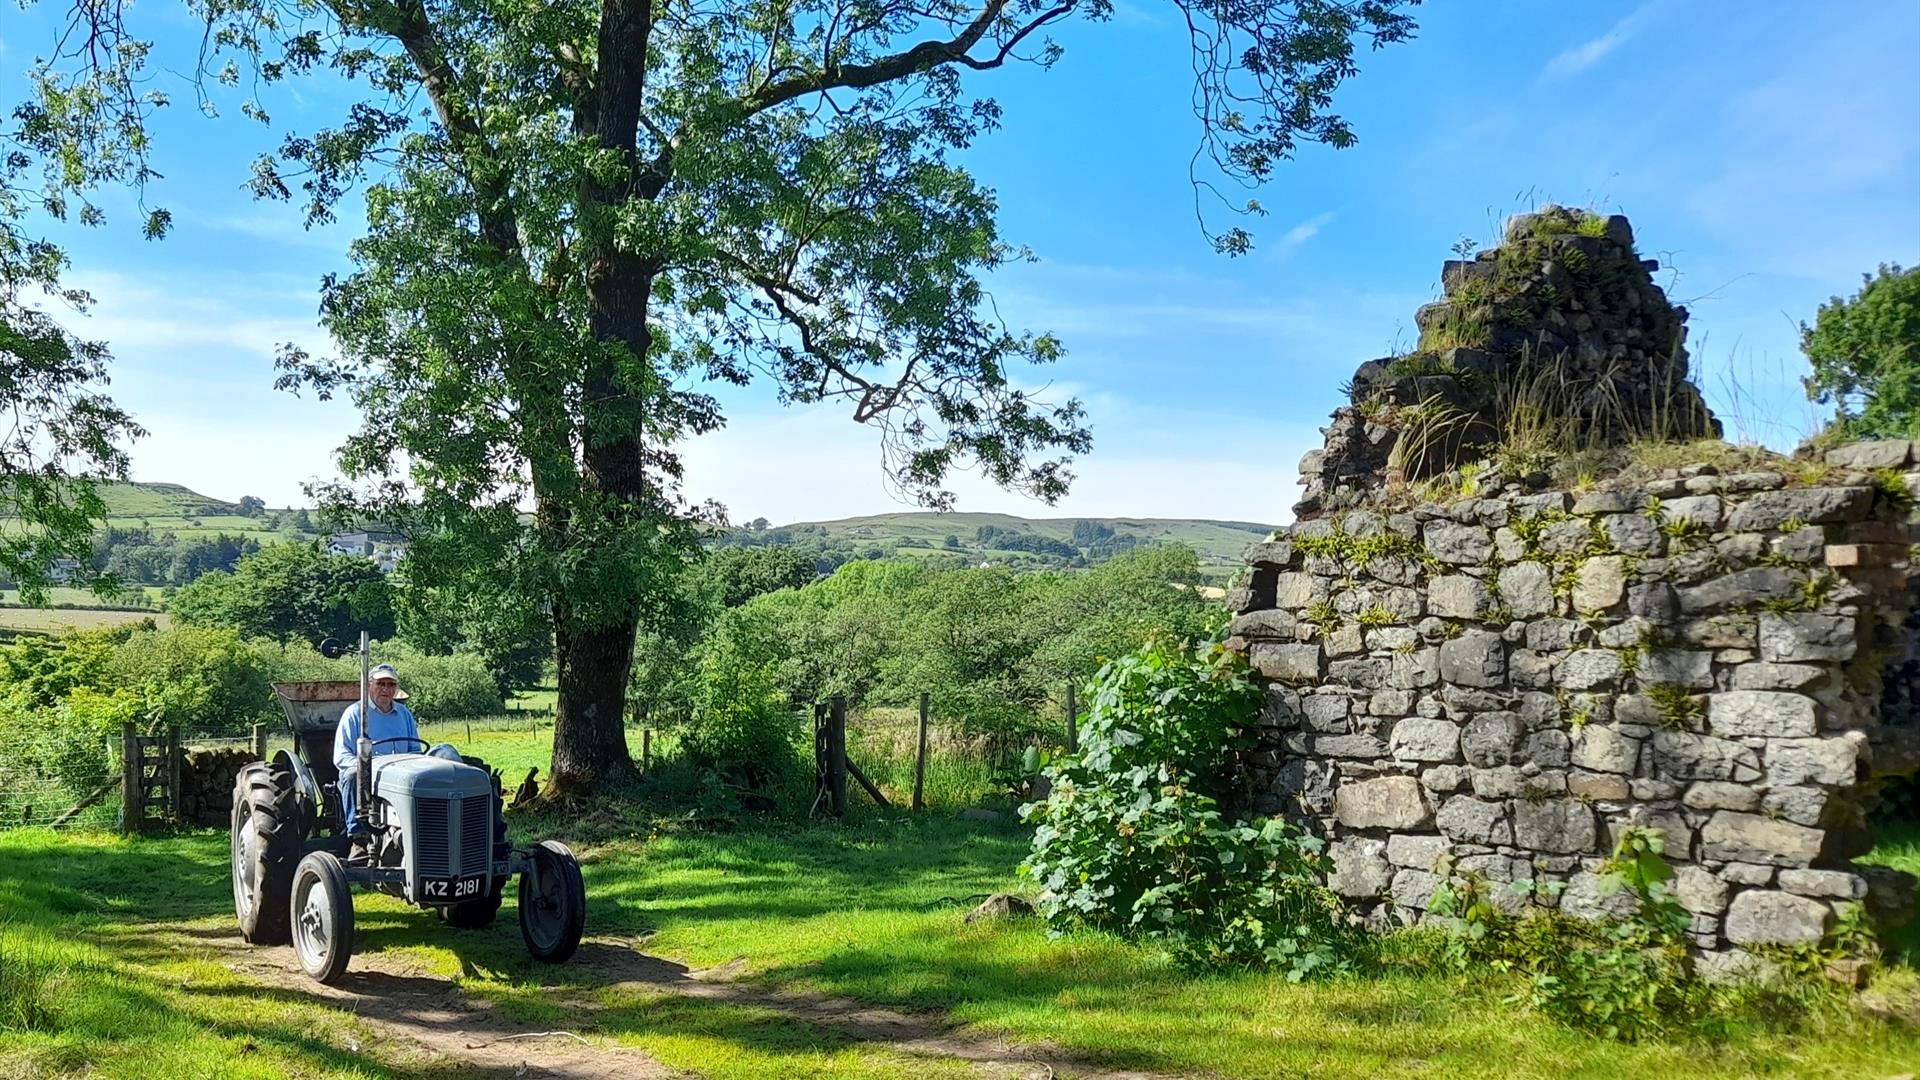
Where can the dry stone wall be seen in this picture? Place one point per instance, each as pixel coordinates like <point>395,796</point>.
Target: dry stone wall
<point>1497,685</point>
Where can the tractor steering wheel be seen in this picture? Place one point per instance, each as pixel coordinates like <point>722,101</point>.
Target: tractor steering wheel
<point>403,738</point>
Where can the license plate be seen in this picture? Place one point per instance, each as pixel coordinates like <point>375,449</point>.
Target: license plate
<point>453,890</point>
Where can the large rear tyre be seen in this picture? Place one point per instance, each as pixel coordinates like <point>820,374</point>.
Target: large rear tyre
<point>264,843</point>
<point>553,903</point>
<point>322,917</point>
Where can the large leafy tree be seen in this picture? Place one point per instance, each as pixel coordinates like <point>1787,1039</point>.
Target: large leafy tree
<point>1865,352</point>
<point>578,209</point>
<point>292,591</point>
<point>62,434</point>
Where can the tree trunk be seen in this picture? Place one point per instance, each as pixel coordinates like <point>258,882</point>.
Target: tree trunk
<point>589,734</point>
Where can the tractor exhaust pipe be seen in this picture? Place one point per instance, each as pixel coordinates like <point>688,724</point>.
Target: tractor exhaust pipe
<point>363,750</point>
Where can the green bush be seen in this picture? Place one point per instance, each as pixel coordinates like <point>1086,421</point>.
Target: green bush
<point>438,687</point>
<point>1133,837</point>
<point>741,723</point>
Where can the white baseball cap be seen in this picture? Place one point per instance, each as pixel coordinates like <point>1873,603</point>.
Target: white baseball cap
<point>385,671</point>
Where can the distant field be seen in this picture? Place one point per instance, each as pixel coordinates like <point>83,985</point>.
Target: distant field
<point>52,620</point>
<point>82,598</point>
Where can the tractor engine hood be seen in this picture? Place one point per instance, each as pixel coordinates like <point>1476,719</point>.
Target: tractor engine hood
<point>422,776</point>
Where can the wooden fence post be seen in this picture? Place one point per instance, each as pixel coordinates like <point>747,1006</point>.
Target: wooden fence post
<point>1073,722</point>
<point>173,775</point>
<point>837,755</point>
<point>259,742</point>
<point>646,751</point>
<point>131,783</point>
<point>920,760</point>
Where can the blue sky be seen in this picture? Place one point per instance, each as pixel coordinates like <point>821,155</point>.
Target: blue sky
<point>1768,154</point>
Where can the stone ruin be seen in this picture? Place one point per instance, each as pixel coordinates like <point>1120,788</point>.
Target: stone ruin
<point>1560,329</point>
<point>1496,684</point>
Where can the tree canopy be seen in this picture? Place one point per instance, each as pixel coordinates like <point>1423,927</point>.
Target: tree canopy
<point>292,591</point>
<point>1865,352</point>
<point>580,212</point>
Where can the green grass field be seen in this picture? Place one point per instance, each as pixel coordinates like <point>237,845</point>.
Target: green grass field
<point>109,966</point>
<point>54,620</point>
<point>1215,541</point>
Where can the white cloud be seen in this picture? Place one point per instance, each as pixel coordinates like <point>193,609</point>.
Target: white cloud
<point>1302,232</point>
<point>1588,53</point>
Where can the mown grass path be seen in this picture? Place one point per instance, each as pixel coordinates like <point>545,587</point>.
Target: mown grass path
<point>831,951</point>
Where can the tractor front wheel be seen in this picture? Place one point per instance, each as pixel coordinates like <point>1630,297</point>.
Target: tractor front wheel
<point>322,917</point>
<point>265,847</point>
<point>553,903</point>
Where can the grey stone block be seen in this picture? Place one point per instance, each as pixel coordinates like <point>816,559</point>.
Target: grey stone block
<point>1475,658</point>
<point>1761,675</point>
<point>1498,782</point>
<point>1676,667</point>
<point>1553,635</point>
<point>1830,762</point>
<point>1807,636</point>
<point>1414,888</point>
<point>1702,510</point>
<point>1457,596</point>
<point>1557,825</point>
<point>1699,891</point>
<point>1736,837</point>
<point>1720,795</point>
<point>1462,545</point>
<point>1800,805</point>
<point>1588,669</point>
<point>1387,802</point>
<point>1420,739</point>
<point>1359,867</point>
<point>1878,454</point>
<point>1741,589</point>
<point>1414,670</point>
<point>1815,506</point>
<point>1465,819</point>
<point>1595,898</point>
<point>1297,590</point>
<point>1634,534</point>
<point>1527,589</point>
<point>1766,917</point>
<point>1763,713</point>
<point>1490,739</point>
<point>1365,747</point>
<point>1366,673</point>
<point>1740,873</point>
<point>1418,852</point>
<point>1655,600</point>
<point>1600,748</point>
<point>1599,584</point>
<point>1835,884</point>
<point>1601,787</point>
<point>1288,663</point>
<point>1684,755</point>
<point>1442,779</point>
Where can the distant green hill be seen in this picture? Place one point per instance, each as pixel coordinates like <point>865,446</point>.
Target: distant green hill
<point>925,532</point>
<point>144,500</point>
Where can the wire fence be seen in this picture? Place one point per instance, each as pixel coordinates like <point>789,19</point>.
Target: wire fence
<point>45,772</point>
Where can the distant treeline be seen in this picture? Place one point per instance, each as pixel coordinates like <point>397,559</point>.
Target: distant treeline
<point>1092,543</point>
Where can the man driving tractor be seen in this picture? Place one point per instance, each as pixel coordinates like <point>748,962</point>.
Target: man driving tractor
<point>390,718</point>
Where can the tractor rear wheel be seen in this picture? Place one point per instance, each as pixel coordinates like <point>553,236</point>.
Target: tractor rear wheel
<point>322,917</point>
<point>265,848</point>
<point>553,903</point>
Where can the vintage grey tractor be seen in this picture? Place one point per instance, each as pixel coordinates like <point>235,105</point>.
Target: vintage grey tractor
<point>438,841</point>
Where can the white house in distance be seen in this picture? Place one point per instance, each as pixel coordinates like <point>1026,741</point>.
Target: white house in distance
<point>384,548</point>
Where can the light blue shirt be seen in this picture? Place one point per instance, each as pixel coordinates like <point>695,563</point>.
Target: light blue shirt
<point>395,724</point>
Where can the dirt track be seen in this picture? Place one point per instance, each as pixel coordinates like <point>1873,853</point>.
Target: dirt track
<point>430,1023</point>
